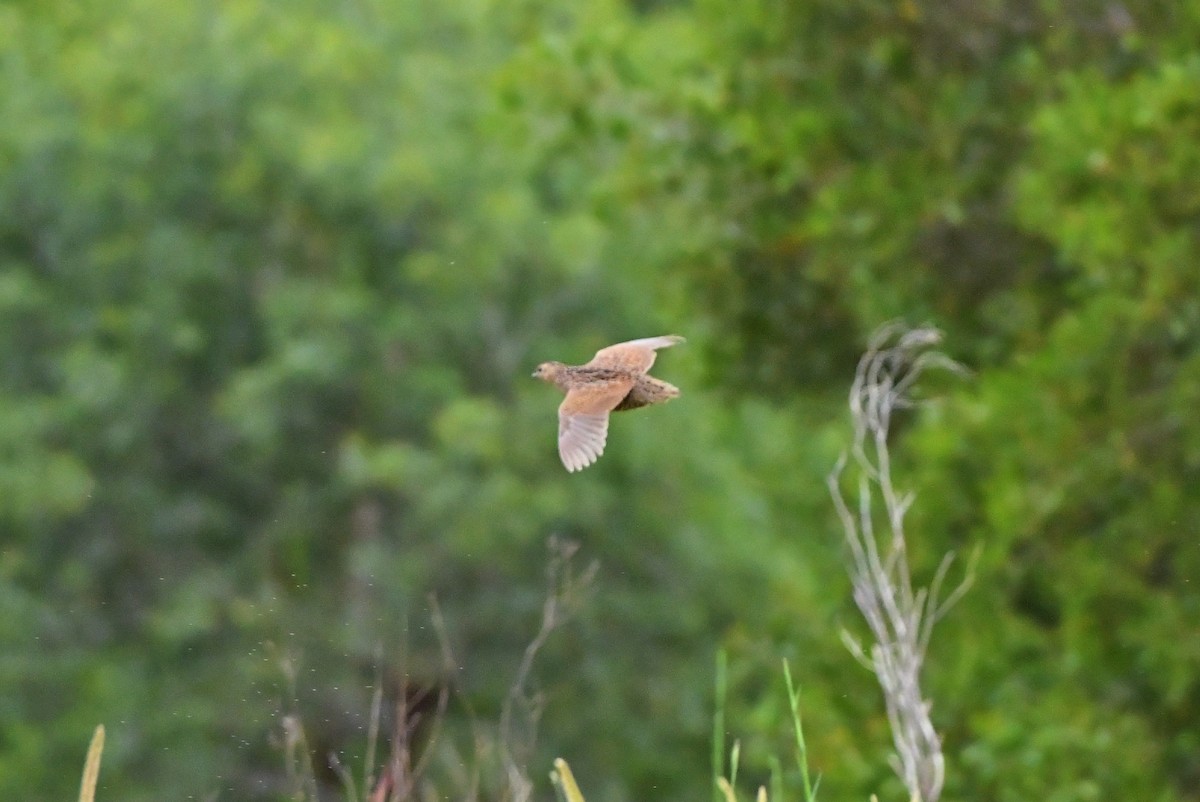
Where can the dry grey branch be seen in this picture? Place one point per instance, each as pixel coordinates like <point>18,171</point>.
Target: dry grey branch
<point>901,618</point>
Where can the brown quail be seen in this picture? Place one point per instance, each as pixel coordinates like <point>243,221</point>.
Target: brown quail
<point>615,380</point>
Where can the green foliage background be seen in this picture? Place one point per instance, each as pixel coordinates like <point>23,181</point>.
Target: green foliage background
<point>273,276</point>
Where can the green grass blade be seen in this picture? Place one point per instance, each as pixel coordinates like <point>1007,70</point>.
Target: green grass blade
<point>718,744</point>
<point>810,789</point>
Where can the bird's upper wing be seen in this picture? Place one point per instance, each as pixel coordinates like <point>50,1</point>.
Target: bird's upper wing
<point>583,420</point>
<point>635,355</point>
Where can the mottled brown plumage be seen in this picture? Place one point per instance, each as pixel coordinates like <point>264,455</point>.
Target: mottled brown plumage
<point>614,381</point>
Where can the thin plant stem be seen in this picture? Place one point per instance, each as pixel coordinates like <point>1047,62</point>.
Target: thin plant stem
<point>900,617</point>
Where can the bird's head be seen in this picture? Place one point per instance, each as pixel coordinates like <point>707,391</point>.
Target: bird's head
<point>549,371</point>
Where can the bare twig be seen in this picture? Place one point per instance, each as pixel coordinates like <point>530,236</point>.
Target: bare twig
<point>563,596</point>
<point>510,741</point>
<point>522,708</point>
<point>901,618</point>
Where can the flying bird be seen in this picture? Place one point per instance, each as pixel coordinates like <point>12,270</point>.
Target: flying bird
<point>614,381</point>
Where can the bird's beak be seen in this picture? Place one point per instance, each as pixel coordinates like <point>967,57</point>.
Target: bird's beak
<point>534,374</point>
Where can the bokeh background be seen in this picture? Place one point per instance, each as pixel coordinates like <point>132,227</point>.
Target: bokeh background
<point>273,277</point>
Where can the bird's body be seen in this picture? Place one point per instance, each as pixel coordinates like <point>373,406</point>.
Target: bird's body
<point>614,380</point>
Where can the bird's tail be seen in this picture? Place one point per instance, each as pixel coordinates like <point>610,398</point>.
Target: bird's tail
<point>647,391</point>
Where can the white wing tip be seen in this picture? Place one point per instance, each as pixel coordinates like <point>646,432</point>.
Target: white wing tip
<point>577,462</point>
<point>585,444</point>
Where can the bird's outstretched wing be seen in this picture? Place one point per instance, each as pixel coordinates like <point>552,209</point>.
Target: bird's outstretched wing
<point>636,355</point>
<point>583,420</point>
